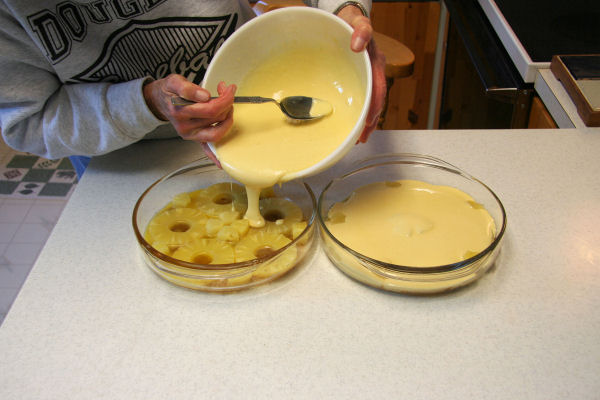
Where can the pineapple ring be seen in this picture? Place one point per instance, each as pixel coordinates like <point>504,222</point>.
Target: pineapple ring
<point>219,198</point>
<point>259,244</point>
<point>280,215</point>
<point>262,243</point>
<point>280,265</point>
<point>206,251</point>
<point>176,226</point>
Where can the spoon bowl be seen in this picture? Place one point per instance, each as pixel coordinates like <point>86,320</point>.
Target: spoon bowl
<point>295,107</point>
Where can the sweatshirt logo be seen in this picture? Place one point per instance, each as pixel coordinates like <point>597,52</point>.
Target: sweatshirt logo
<point>58,28</point>
<point>157,48</point>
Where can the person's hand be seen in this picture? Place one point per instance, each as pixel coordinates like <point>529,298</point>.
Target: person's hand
<point>206,121</point>
<point>362,38</point>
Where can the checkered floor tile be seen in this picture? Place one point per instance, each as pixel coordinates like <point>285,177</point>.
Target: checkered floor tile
<point>33,193</point>
<point>25,175</point>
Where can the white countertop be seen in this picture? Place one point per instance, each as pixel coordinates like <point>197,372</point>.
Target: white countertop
<point>92,321</point>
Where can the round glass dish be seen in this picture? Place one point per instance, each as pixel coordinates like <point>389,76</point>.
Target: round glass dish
<point>406,278</point>
<point>266,267</point>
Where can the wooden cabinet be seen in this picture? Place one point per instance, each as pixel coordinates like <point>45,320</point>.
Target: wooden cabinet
<point>539,117</point>
<point>416,25</point>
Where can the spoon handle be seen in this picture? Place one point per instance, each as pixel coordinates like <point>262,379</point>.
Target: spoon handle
<point>180,101</point>
<point>252,99</point>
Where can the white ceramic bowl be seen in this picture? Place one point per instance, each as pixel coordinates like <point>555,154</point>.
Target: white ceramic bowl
<point>282,29</point>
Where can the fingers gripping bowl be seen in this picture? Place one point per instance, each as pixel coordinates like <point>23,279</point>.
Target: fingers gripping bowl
<point>165,217</point>
<point>415,233</point>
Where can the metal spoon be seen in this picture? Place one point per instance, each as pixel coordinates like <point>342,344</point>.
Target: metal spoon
<point>295,107</point>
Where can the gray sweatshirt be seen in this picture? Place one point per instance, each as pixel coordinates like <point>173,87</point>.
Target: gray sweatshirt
<point>71,72</point>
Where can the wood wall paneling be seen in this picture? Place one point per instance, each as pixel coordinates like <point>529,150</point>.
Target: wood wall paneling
<point>416,25</point>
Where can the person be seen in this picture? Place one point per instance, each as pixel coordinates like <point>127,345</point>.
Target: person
<point>84,78</point>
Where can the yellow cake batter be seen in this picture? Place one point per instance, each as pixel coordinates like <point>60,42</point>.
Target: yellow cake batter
<point>412,223</point>
<point>264,147</point>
